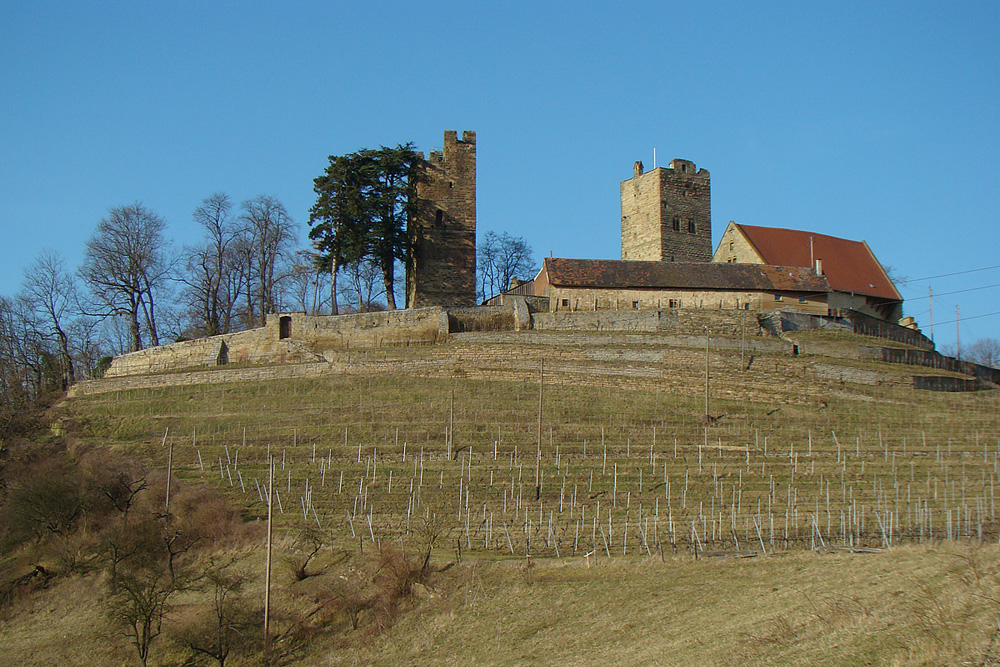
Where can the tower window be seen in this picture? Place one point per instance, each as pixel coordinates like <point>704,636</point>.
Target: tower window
<point>439,218</point>
<point>691,225</point>
<point>677,224</point>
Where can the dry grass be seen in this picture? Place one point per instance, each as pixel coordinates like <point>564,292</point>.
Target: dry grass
<point>910,606</point>
<point>838,609</point>
<point>782,444</point>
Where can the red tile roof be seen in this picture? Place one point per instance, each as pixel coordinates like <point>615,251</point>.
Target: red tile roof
<point>850,266</point>
<point>609,273</point>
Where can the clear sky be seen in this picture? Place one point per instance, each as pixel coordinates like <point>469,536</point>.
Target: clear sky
<point>874,121</point>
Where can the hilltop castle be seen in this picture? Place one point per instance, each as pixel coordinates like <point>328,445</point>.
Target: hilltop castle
<point>667,274</point>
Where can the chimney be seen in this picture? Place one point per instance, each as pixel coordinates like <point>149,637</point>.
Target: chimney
<point>819,267</point>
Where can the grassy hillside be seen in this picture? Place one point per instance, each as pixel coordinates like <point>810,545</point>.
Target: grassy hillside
<point>787,459</point>
<point>613,524</point>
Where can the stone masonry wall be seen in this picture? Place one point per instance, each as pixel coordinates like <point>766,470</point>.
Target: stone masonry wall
<point>308,336</point>
<point>653,361</point>
<point>246,346</point>
<point>442,236</point>
<point>656,345</point>
<point>667,214</point>
<point>736,323</point>
<point>583,299</point>
<point>734,247</point>
<point>390,327</point>
<point>931,359</point>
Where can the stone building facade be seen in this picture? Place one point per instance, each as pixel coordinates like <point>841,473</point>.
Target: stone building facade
<point>667,214</point>
<point>595,285</point>
<point>857,279</point>
<point>442,236</point>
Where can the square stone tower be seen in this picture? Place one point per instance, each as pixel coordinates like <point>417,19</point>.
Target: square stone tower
<point>442,260</point>
<point>667,214</point>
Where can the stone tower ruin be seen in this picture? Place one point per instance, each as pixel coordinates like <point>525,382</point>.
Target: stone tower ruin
<point>442,260</point>
<point>667,214</point>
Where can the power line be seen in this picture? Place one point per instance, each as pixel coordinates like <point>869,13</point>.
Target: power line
<point>956,273</point>
<point>970,317</point>
<point>958,291</point>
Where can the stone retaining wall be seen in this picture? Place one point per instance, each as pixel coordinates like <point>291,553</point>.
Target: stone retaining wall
<point>752,345</point>
<point>945,383</point>
<point>251,346</point>
<point>931,359</point>
<point>733,323</point>
<point>390,327</point>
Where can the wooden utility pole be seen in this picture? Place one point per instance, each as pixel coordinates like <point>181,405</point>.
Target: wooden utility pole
<point>930,295</point>
<point>743,338</point>
<point>267,570</point>
<point>170,466</point>
<point>958,338</point>
<point>707,341</point>
<point>538,450</point>
<point>451,422</point>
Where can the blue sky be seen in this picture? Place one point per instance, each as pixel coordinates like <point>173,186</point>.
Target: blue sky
<point>868,122</point>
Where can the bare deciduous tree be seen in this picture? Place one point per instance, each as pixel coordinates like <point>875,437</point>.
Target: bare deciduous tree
<point>139,604</point>
<point>50,294</point>
<point>229,625</point>
<point>20,359</point>
<point>363,285</point>
<point>126,265</point>
<point>307,283</point>
<point>213,273</point>
<point>499,259</point>
<point>985,351</point>
<point>270,234</point>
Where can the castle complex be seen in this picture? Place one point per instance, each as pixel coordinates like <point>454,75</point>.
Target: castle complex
<point>668,274</point>
<point>666,219</point>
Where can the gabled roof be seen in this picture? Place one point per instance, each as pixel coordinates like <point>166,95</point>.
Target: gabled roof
<point>850,266</point>
<point>608,273</point>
